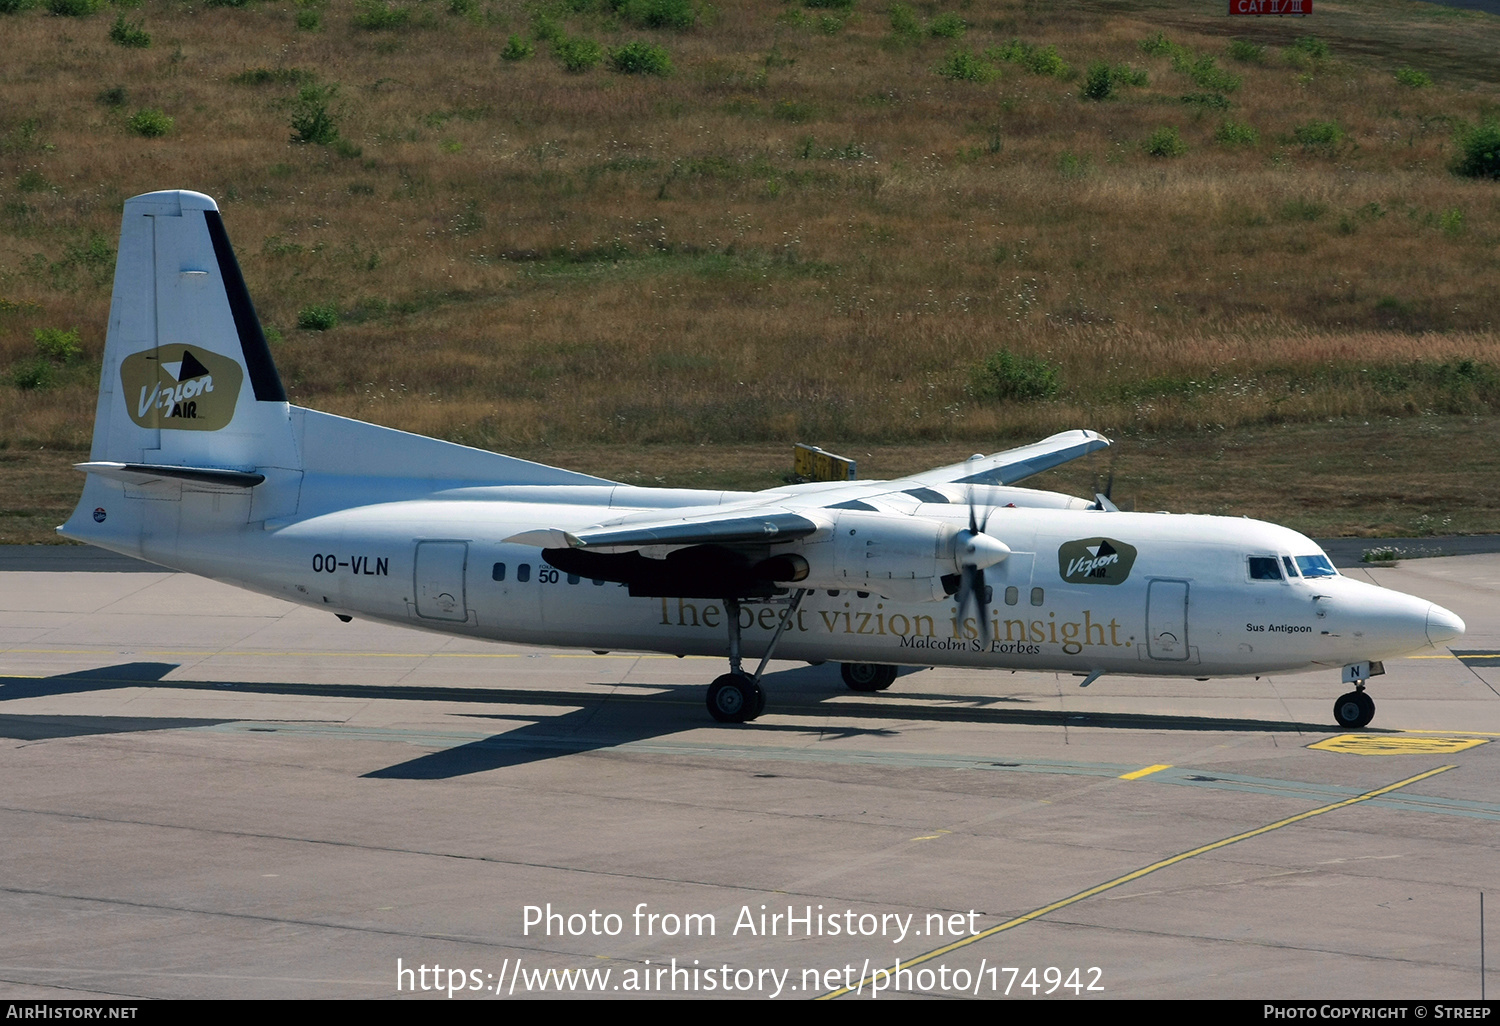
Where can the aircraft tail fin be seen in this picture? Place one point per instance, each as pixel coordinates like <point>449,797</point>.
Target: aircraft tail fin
<point>188,378</point>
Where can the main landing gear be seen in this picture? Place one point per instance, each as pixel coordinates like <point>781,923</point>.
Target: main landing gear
<point>867,676</point>
<point>737,697</point>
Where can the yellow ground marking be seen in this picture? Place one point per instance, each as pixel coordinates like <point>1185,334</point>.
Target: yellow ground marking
<point>932,837</point>
<point>1145,771</point>
<point>1395,744</point>
<point>1136,875</point>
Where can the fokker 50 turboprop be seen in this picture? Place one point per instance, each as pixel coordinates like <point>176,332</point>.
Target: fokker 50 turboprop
<point>199,463</point>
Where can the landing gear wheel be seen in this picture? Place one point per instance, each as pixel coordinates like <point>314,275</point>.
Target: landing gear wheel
<point>735,698</point>
<point>868,676</point>
<point>1354,709</point>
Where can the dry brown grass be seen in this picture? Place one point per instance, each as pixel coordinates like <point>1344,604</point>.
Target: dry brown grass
<point>525,257</point>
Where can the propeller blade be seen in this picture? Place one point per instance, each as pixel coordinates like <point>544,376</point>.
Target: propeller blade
<point>971,591</point>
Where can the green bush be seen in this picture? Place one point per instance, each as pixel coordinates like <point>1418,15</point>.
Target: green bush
<point>1039,60</point>
<point>318,317</point>
<point>1205,72</point>
<point>129,33</point>
<point>150,123</point>
<point>309,20</point>
<point>904,23</point>
<point>33,375</point>
<point>673,14</point>
<point>114,96</point>
<point>270,76</point>
<point>1246,52</point>
<point>1412,77</point>
<point>314,122</point>
<point>1159,46</point>
<point>517,49</point>
<point>1166,142</point>
<point>831,5</point>
<point>1098,84</point>
<point>374,15</point>
<point>57,345</point>
<point>1313,47</point>
<point>1071,166</point>
<point>15,6</point>
<point>1479,150</point>
<point>1207,101</point>
<point>1007,376</point>
<point>577,54</point>
<point>947,26</point>
<point>1319,135</point>
<point>962,66</point>
<point>1236,133</point>
<point>72,8</point>
<point>638,58</point>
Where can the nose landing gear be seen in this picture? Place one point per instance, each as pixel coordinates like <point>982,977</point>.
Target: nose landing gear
<point>1356,709</point>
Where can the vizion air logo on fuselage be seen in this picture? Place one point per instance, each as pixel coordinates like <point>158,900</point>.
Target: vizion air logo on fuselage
<point>1095,561</point>
<point>181,387</point>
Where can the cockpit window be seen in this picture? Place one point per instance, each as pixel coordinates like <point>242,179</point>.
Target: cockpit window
<point>1291,568</point>
<point>1316,566</point>
<point>1264,568</point>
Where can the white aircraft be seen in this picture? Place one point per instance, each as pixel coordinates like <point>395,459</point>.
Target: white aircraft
<point>199,463</point>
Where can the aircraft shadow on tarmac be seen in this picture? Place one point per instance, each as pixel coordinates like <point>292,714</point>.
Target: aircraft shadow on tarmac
<point>591,722</point>
<point>42,728</point>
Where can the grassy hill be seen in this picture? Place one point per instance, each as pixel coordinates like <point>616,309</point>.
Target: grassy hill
<point>858,224</point>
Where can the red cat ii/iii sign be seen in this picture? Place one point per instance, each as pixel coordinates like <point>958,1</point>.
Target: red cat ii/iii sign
<point>1280,8</point>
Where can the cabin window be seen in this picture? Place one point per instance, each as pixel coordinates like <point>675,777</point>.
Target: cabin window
<point>1291,568</point>
<point>498,573</point>
<point>1012,595</point>
<point>1036,596</point>
<point>598,583</point>
<point>523,572</point>
<point>1264,568</point>
<point>572,578</point>
<point>1316,566</point>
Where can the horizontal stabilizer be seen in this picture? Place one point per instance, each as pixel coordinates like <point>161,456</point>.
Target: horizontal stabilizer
<point>143,473</point>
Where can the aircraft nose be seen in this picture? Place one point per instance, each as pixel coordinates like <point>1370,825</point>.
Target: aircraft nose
<point>1442,625</point>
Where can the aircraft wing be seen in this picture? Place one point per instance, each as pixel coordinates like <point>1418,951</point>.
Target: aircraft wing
<point>778,521</point>
<point>1012,465</point>
<point>765,528</point>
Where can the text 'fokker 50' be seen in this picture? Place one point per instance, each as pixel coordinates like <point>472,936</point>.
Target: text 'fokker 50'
<point>199,463</point>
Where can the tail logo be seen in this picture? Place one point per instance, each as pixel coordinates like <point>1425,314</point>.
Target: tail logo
<point>181,387</point>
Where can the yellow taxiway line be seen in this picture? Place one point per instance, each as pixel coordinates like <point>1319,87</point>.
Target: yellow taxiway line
<point>1135,875</point>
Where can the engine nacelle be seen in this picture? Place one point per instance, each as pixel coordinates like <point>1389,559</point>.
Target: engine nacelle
<point>900,557</point>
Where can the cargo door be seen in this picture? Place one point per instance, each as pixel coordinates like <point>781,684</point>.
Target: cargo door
<point>1167,620</point>
<point>440,569</point>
